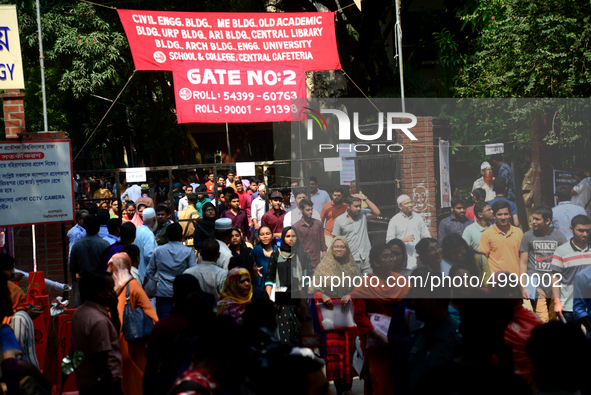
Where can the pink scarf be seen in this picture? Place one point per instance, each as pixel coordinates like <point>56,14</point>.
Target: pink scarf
<point>136,220</point>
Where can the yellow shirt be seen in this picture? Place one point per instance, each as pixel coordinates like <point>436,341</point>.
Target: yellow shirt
<point>188,226</point>
<point>502,249</point>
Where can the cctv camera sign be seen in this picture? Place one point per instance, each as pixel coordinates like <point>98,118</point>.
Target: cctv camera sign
<point>36,184</point>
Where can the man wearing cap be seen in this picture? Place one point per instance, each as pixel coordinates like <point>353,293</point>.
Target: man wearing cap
<point>274,218</point>
<point>408,227</point>
<point>485,182</point>
<point>145,240</point>
<point>133,193</point>
<point>145,199</point>
<point>223,235</point>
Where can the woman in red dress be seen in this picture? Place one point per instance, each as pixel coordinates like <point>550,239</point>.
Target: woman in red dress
<point>338,345</point>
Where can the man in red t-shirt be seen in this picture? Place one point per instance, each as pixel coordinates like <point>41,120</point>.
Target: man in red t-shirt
<point>209,184</point>
<point>330,212</point>
<point>478,195</point>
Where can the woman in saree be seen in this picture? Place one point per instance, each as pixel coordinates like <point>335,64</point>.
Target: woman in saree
<point>133,355</point>
<point>338,345</point>
<point>374,303</point>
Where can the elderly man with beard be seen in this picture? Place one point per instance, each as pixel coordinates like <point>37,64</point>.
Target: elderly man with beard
<point>146,241</point>
<point>485,182</point>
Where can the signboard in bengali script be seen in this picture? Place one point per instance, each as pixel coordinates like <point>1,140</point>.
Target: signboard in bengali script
<point>36,184</point>
<point>233,92</point>
<point>570,178</point>
<point>11,64</point>
<point>157,38</point>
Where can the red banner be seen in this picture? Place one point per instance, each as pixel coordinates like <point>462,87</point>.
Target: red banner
<point>217,92</point>
<point>157,38</point>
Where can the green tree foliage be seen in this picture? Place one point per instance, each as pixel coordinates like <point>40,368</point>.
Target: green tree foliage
<point>523,49</point>
<point>533,48</point>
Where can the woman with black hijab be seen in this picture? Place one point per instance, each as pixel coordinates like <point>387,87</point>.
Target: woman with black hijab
<point>204,229</point>
<point>288,266</point>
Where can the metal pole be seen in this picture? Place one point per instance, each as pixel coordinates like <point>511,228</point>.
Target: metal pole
<point>42,62</point>
<point>118,196</point>
<point>399,41</point>
<point>216,195</point>
<point>229,151</point>
<point>65,256</point>
<point>171,195</point>
<point>267,189</point>
<point>34,248</point>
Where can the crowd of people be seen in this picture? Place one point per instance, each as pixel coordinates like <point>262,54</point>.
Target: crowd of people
<point>236,292</point>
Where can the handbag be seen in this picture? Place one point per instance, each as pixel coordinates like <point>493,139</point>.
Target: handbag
<point>337,318</point>
<point>136,324</point>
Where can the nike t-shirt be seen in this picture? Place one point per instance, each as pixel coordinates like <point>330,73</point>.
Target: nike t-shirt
<point>540,251</point>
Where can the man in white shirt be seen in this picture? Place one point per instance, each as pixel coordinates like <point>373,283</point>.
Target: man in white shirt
<point>581,193</point>
<point>317,196</point>
<point>133,192</point>
<point>486,181</point>
<point>183,202</point>
<point>257,208</point>
<point>408,227</point>
<point>223,234</point>
<point>295,214</point>
<point>565,211</point>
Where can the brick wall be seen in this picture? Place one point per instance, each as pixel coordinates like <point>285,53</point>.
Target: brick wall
<point>417,171</point>
<point>14,112</point>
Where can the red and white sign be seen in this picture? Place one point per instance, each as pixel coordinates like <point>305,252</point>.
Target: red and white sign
<point>217,92</point>
<point>157,38</point>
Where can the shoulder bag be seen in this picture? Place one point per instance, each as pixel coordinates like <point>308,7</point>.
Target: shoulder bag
<point>136,324</point>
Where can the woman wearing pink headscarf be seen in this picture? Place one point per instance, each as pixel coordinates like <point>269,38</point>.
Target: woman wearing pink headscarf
<point>133,355</point>
<point>132,215</point>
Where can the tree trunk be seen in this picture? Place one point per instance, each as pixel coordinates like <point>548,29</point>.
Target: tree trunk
<point>193,144</point>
